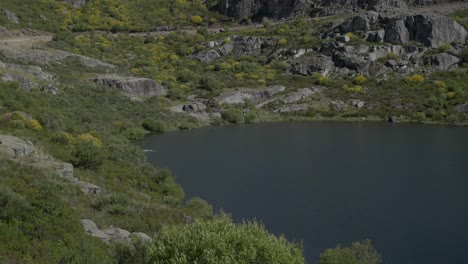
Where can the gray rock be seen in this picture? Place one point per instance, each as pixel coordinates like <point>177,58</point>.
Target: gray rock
<point>88,188</point>
<point>292,108</point>
<point>443,61</point>
<point>131,86</point>
<point>401,27</point>
<point>118,234</point>
<point>206,55</point>
<point>113,234</point>
<point>36,71</point>
<point>64,170</point>
<point>463,108</point>
<point>194,107</point>
<point>328,48</point>
<point>11,17</point>
<point>24,83</point>
<point>237,46</point>
<point>298,95</point>
<point>376,36</point>
<point>243,95</point>
<point>143,237</point>
<point>434,30</point>
<point>396,32</point>
<point>76,3</point>
<point>350,61</point>
<point>49,88</point>
<point>91,229</point>
<point>311,65</point>
<point>358,103</point>
<point>14,147</point>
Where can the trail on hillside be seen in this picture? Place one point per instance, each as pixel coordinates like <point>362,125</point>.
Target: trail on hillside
<point>27,41</point>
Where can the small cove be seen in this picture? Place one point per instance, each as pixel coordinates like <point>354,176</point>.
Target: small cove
<point>324,183</point>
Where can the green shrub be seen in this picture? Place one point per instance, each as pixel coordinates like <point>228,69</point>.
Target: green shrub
<point>233,115</point>
<point>210,83</point>
<point>86,154</point>
<point>444,47</point>
<point>359,80</point>
<point>154,125</point>
<point>197,19</point>
<point>221,241</point>
<point>359,253</point>
<point>134,133</point>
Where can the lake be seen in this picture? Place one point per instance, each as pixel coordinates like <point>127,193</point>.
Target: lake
<point>404,186</point>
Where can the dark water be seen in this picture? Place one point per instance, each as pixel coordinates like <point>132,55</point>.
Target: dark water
<point>403,186</point>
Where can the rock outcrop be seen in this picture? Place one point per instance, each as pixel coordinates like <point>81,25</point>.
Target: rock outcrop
<point>244,95</point>
<point>131,86</point>
<point>236,45</point>
<point>277,9</point>
<point>76,3</point>
<point>402,27</point>
<point>12,17</point>
<point>14,147</point>
<point>114,234</point>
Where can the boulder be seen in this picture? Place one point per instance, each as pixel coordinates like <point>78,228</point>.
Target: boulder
<point>14,147</point>
<point>396,32</point>
<point>443,61</point>
<point>11,17</point>
<point>292,108</point>
<point>311,65</point>
<point>358,103</point>
<point>376,36</point>
<point>351,61</point>
<point>434,30</point>
<point>118,234</point>
<point>24,82</point>
<point>194,107</point>
<point>64,170</point>
<point>237,46</point>
<point>88,188</point>
<point>76,3</point>
<point>402,27</point>
<point>243,95</point>
<point>131,86</point>
<point>113,234</point>
<point>297,96</point>
<point>463,108</point>
<point>91,229</point>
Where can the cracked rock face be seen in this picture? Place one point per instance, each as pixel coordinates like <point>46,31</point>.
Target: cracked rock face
<point>432,30</point>
<point>14,147</point>
<point>113,234</point>
<point>132,86</point>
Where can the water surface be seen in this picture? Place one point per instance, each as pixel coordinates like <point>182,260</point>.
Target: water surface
<point>325,183</point>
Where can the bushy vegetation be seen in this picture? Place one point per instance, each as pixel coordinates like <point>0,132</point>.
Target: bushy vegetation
<point>361,252</point>
<point>221,241</point>
<point>37,225</point>
<point>107,15</point>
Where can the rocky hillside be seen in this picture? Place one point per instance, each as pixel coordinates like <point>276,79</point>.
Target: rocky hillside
<point>278,9</point>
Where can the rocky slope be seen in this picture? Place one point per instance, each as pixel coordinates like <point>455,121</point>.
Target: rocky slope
<point>278,9</point>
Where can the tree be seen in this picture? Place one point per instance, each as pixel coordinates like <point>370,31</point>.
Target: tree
<point>221,241</point>
<point>361,252</point>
